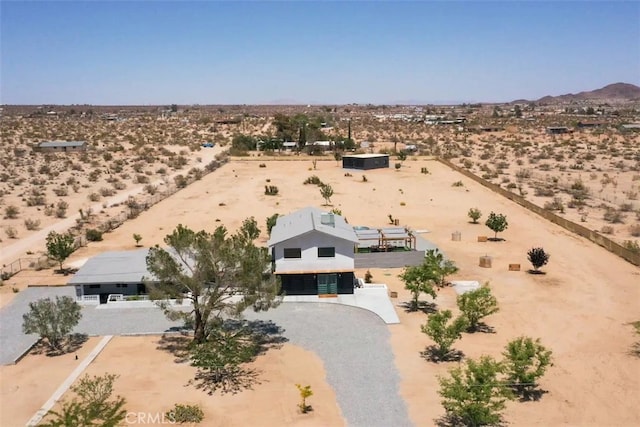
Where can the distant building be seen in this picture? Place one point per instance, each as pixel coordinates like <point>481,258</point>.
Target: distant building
<point>61,146</point>
<point>584,125</point>
<point>365,161</point>
<point>555,130</point>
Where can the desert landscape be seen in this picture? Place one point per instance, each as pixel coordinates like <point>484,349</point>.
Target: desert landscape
<point>581,309</point>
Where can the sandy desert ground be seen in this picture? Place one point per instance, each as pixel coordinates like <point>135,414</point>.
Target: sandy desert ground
<point>580,309</point>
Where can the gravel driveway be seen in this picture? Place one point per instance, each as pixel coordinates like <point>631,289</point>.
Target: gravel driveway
<point>354,346</point>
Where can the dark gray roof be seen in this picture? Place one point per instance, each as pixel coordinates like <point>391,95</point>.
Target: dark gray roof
<point>306,220</point>
<point>113,267</point>
<point>52,144</point>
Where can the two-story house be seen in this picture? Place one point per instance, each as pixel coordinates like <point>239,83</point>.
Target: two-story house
<point>313,253</point>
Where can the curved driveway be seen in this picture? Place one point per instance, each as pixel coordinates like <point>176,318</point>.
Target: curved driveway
<point>354,345</point>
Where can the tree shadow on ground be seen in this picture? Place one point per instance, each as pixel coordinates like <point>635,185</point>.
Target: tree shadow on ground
<point>226,380</point>
<point>635,349</point>
<point>176,344</point>
<point>482,328</point>
<point>432,354</point>
<point>496,239</point>
<point>65,271</point>
<point>265,333</point>
<point>423,306</point>
<point>449,420</point>
<point>537,272</point>
<point>71,343</point>
<point>529,394</point>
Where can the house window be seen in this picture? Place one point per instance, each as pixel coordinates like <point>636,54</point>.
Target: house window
<point>122,285</point>
<point>292,253</point>
<point>326,252</point>
<point>94,286</point>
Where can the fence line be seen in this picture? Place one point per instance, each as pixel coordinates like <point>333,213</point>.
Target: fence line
<point>571,226</point>
<point>110,224</point>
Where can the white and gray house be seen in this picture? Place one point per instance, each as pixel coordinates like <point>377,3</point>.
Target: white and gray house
<point>313,253</point>
<point>114,272</point>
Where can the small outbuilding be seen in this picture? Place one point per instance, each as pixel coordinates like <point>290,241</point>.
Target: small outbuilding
<point>61,146</point>
<point>365,161</point>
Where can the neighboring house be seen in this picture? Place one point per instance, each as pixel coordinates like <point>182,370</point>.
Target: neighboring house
<point>313,253</point>
<point>555,130</point>
<point>365,161</point>
<point>61,146</point>
<point>119,272</point>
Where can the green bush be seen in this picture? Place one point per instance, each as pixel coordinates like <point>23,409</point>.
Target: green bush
<point>93,235</point>
<point>185,414</point>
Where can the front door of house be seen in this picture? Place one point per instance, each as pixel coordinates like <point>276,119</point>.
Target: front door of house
<point>327,284</point>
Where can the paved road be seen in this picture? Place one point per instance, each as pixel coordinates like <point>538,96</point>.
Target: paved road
<point>354,346</point>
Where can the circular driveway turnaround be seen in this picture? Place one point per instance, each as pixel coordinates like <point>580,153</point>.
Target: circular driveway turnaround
<point>354,345</point>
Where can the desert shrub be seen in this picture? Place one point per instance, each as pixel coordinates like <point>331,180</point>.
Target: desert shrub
<point>538,258</point>
<point>61,209</point>
<point>106,192</point>
<point>150,189</point>
<point>196,173</point>
<point>11,232</point>
<point>141,179</point>
<point>368,277</point>
<point>457,184</point>
<point>94,175</point>
<point>11,212</point>
<point>93,235</point>
<point>262,165</point>
<point>61,191</point>
<point>185,414</point>
<point>180,181</point>
<point>474,214</point>
<point>554,205</point>
<point>544,192</point>
<point>523,174</point>
<point>632,245</point>
<point>606,229</point>
<point>364,178</point>
<point>36,199</point>
<point>613,216</point>
<point>313,179</point>
<point>626,207</point>
<point>634,230</point>
<point>94,197</point>
<point>398,165</point>
<point>119,185</point>
<point>270,190</point>
<point>31,224</point>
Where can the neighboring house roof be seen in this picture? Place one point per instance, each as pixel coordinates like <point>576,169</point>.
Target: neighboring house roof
<point>113,267</point>
<point>52,144</point>
<point>310,219</point>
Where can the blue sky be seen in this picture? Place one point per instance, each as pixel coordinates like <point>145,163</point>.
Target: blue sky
<point>207,52</point>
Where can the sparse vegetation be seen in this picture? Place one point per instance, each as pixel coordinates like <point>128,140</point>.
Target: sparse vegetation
<point>474,214</point>
<point>538,258</point>
<point>497,223</point>
<point>476,305</point>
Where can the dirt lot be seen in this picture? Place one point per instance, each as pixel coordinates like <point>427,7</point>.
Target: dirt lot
<point>580,309</point>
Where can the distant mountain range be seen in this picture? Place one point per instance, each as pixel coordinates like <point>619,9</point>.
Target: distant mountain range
<point>613,92</point>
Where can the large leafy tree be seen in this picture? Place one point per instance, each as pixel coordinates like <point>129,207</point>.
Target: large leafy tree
<point>220,274</point>
<point>525,361</point>
<point>60,246</point>
<point>476,305</point>
<point>52,320</point>
<point>473,395</point>
<point>443,332</point>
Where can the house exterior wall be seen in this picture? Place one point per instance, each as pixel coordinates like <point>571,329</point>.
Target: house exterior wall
<point>307,284</point>
<point>62,149</point>
<point>309,261</point>
<point>104,289</point>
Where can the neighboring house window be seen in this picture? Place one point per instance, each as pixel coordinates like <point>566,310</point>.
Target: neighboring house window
<point>292,253</point>
<point>326,252</point>
<point>94,286</point>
